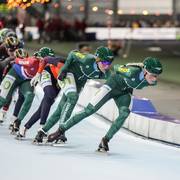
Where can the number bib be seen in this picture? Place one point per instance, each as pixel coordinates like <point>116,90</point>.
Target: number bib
<point>69,84</point>
<point>46,79</point>
<point>6,85</point>
<point>100,94</point>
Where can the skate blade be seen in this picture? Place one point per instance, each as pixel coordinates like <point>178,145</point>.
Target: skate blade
<point>10,128</point>
<point>18,138</point>
<point>59,144</point>
<point>1,122</point>
<point>41,143</point>
<point>22,138</point>
<point>102,151</point>
<point>14,133</point>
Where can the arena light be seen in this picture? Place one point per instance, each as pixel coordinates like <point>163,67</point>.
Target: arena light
<point>28,4</point>
<point>110,12</point>
<point>24,3</point>
<point>69,7</point>
<point>95,8</point>
<point>145,12</point>
<point>120,11</point>
<point>42,2</point>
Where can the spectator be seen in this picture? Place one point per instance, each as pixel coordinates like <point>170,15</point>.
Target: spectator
<point>40,26</point>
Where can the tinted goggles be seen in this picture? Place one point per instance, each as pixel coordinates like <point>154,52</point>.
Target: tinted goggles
<point>106,62</point>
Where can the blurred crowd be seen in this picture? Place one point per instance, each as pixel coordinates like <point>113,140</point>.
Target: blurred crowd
<point>141,23</point>
<point>148,23</point>
<point>54,28</point>
<point>8,22</point>
<point>57,28</point>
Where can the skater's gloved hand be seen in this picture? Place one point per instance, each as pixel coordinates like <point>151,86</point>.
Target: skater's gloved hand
<point>62,75</point>
<point>35,80</point>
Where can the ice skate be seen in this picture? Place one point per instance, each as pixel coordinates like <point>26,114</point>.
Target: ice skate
<point>39,137</point>
<point>2,116</point>
<point>11,126</point>
<point>12,118</point>
<point>21,135</point>
<point>61,141</point>
<point>56,136</point>
<point>103,146</point>
<point>16,126</point>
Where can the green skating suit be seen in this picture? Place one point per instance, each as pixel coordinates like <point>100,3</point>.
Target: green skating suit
<point>79,68</point>
<point>119,86</point>
<point>10,82</point>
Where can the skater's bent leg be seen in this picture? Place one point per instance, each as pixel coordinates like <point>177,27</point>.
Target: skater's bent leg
<point>90,109</point>
<point>27,91</point>
<point>54,118</point>
<point>122,103</point>
<point>50,94</point>
<point>44,108</point>
<point>26,105</point>
<point>72,98</point>
<point>18,104</point>
<point>7,87</point>
<point>116,125</point>
<point>35,117</point>
<point>3,101</point>
<point>97,102</point>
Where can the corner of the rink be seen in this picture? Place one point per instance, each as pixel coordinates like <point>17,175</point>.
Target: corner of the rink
<point>143,120</point>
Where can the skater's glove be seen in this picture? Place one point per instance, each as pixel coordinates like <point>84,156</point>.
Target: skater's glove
<point>35,80</point>
<point>62,75</point>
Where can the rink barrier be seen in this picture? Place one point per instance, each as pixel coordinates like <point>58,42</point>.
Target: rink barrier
<point>143,120</point>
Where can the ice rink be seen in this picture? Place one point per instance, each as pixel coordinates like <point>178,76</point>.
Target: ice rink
<point>130,157</point>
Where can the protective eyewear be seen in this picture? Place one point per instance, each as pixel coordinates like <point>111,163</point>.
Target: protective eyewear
<point>106,62</point>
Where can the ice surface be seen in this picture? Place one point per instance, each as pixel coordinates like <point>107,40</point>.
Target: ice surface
<point>130,157</point>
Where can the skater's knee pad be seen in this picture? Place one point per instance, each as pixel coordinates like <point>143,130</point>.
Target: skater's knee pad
<point>90,109</point>
<point>72,97</point>
<point>124,111</point>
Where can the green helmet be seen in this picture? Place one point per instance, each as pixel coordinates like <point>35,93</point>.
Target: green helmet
<point>153,65</point>
<point>44,51</point>
<point>104,54</point>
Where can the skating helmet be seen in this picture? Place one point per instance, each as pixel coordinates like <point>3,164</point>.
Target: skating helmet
<point>12,43</point>
<point>104,54</point>
<point>2,34</point>
<point>11,33</point>
<point>153,65</point>
<point>5,32</point>
<point>21,53</point>
<point>45,51</point>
